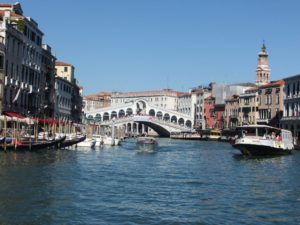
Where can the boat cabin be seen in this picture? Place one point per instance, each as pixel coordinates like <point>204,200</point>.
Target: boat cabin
<point>264,132</point>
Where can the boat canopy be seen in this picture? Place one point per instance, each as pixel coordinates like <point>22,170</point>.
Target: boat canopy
<point>258,130</point>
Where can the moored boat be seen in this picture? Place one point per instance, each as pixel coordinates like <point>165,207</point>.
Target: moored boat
<point>29,144</point>
<point>262,140</point>
<point>88,142</point>
<point>72,140</point>
<point>106,140</point>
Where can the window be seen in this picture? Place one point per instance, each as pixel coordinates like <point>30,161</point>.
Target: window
<point>277,99</point>
<point>66,69</point>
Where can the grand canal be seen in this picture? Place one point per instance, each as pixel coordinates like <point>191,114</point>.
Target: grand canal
<point>183,182</point>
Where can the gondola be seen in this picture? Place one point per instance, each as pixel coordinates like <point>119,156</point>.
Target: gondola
<point>9,144</point>
<point>69,142</point>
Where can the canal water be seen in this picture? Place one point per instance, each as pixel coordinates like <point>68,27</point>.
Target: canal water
<point>181,182</point>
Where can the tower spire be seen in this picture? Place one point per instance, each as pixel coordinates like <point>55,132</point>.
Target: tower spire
<point>263,70</point>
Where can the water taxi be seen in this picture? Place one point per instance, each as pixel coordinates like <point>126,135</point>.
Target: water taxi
<point>260,140</point>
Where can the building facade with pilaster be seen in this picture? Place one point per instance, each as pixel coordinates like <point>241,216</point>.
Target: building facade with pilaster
<point>270,103</point>
<point>291,113</point>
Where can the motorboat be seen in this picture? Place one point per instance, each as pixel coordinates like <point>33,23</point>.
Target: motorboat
<point>88,142</point>
<point>147,144</point>
<point>260,140</point>
<point>106,140</point>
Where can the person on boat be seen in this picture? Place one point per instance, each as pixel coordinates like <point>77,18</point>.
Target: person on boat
<point>273,135</point>
<point>278,137</point>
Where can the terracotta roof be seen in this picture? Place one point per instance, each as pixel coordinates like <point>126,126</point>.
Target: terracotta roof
<point>12,14</point>
<point>149,93</point>
<point>60,63</point>
<point>5,5</point>
<point>273,84</point>
<point>209,98</point>
<point>100,94</point>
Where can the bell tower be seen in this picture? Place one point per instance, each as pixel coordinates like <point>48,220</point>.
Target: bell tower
<point>263,70</point>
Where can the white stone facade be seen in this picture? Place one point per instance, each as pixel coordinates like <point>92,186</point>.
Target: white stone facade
<point>63,99</point>
<point>166,99</point>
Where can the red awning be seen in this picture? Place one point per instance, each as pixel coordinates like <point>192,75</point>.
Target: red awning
<point>14,114</point>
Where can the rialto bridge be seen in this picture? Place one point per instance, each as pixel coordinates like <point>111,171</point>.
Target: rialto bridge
<point>138,115</point>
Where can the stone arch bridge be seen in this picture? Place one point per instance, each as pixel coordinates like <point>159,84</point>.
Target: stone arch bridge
<point>140,114</point>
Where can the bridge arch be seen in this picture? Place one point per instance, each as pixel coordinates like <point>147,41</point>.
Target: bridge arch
<point>98,117</point>
<point>140,106</point>
<point>121,113</point>
<point>188,123</point>
<point>166,117</point>
<point>113,114</point>
<point>129,111</point>
<point>105,116</point>
<point>174,119</point>
<point>129,129</point>
<point>90,118</point>
<point>151,112</point>
<point>181,121</point>
<point>159,115</point>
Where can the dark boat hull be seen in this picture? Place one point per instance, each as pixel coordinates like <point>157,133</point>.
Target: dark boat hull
<point>260,150</point>
<point>33,146</point>
<point>68,143</point>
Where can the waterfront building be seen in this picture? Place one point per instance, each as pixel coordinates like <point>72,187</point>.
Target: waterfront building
<point>48,84</point>
<point>231,113</point>
<point>97,101</point>
<point>192,104</point>
<point>209,112</point>
<point>270,103</point>
<point>164,99</point>
<point>184,103</point>
<point>63,106</point>
<point>23,63</point>
<point>77,102</point>
<point>2,69</point>
<point>248,107</point>
<point>263,71</point>
<point>198,95</point>
<point>291,114</point>
<point>65,70</point>
<point>68,93</point>
<point>221,91</point>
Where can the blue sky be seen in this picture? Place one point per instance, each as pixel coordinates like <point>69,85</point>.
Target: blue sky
<point>135,45</point>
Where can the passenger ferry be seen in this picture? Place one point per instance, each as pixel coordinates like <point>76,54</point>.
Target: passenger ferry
<point>260,140</point>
